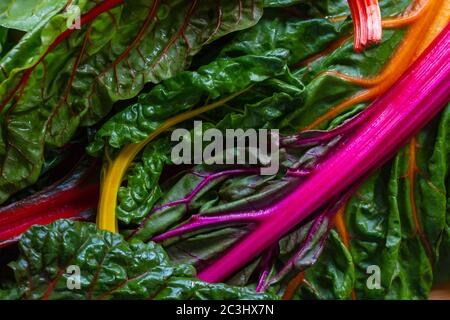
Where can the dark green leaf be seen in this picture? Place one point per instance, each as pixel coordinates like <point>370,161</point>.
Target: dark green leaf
<point>108,60</point>
<point>109,267</point>
<point>220,79</point>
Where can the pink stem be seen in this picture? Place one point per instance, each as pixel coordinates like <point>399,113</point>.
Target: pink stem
<point>410,104</point>
<point>198,221</point>
<point>193,193</point>
<point>298,173</point>
<point>266,266</point>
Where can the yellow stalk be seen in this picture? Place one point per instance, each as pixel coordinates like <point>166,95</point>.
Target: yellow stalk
<point>117,168</point>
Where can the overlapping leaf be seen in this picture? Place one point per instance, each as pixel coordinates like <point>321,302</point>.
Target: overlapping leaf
<point>107,60</point>
<point>25,15</point>
<point>261,106</point>
<point>389,228</point>
<point>106,267</point>
<point>398,221</point>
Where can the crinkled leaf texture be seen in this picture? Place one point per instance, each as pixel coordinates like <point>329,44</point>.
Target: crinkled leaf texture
<point>142,189</point>
<point>110,268</point>
<point>217,80</point>
<point>398,219</point>
<point>335,7</point>
<point>220,79</point>
<point>109,59</point>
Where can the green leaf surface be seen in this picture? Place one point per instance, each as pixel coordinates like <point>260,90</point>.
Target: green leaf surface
<point>397,222</point>
<point>254,109</point>
<point>218,80</point>
<point>25,15</point>
<point>108,60</point>
<point>326,8</point>
<point>109,268</point>
<point>142,189</point>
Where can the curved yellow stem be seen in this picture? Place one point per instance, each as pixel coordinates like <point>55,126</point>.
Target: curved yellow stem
<point>116,170</point>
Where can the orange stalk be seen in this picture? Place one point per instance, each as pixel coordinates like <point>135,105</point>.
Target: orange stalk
<point>416,11</point>
<point>409,49</point>
<point>293,285</point>
<point>411,15</point>
<point>411,176</point>
<point>340,226</point>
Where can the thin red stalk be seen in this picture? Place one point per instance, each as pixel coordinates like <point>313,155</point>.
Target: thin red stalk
<point>72,197</point>
<point>367,22</point>
<point>356,24</point>
<point>84,19</point>
<point>399,114</point>
<point>363,23</point>
<point>375,28</point>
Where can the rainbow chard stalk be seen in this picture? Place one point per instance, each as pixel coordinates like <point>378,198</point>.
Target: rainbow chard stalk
<point>366,22</point>
<point>73,197</point>
<point>389,122</point>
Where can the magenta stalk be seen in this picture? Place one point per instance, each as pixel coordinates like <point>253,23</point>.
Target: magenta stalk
<point>408,106</point>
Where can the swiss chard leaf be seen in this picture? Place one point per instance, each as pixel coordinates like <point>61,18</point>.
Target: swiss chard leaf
<point>254,109</point>
<point>109,268</point>
<point>3,38</point>
<point>396,223</point>
<point>398,220</point>
<point>322,91</point>
<point>109,59</point>
<point>380,218</point>
<point>220,79</point>
<point>327,8</point>
<point>142,189</point>
<point>25,15</point>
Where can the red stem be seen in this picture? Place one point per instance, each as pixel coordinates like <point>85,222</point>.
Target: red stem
<point>75,196</point>
<point>198,222</point>
<point>366,22</point>
<point>84,19</point>
<point>363,23</point>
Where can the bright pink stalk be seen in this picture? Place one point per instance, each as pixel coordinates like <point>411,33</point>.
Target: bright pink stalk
<point>395,117</point>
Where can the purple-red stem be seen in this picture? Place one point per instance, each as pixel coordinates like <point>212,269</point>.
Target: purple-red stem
<point>198,221</point>
<point>399,114</point>
<point>266,265</point>
<point>186,201</point>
